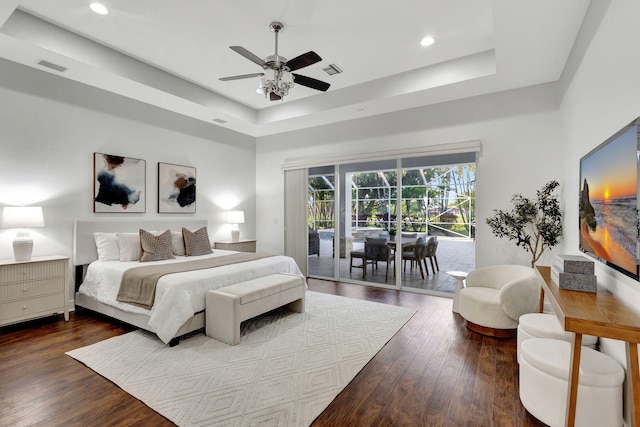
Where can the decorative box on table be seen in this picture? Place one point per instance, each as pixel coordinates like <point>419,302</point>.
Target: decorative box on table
<point>574,272</point>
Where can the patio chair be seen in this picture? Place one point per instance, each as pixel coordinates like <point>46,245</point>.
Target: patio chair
<point>361,255</point>
<point>376,250</point>
<point>432,247</point>
<point>416,256</point>
<point>314,242</point>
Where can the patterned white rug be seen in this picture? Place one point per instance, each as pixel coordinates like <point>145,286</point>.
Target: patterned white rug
<point>286,370</point>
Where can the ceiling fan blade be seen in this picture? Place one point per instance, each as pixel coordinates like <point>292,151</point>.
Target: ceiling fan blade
<point>250,56</point>
<point>274,96</point>
<point>303,60</point>
<point>310,82</point>
<point>242,76</point>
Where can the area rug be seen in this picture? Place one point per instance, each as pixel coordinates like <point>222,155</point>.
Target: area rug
<point>286,370</point>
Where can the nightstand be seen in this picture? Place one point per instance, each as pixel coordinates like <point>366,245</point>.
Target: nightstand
<point>34,288</point>
<point>240,245</point>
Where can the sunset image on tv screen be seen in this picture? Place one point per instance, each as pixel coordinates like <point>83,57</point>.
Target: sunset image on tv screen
<point>608,201</point>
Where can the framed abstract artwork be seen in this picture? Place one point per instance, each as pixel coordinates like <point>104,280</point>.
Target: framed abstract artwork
<point>176,188</point>
<point>119,184</point>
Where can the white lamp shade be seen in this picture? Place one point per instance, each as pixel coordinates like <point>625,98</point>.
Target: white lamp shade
<point>22,217</point>
<point>235,217</point>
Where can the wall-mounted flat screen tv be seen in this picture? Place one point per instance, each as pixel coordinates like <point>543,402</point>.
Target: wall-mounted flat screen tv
<point>609,201</point>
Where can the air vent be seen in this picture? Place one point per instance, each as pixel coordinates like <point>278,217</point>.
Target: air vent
<point>219,121</point>
<point>332,69</point>
<point>52,66</point>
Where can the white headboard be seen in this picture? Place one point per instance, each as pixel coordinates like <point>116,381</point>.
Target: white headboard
<point>84,246</point>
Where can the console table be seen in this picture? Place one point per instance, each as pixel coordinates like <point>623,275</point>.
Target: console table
<point>600,314</point>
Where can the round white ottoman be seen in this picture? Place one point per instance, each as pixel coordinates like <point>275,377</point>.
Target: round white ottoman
<point>544,373</point>
<point>543,325</point>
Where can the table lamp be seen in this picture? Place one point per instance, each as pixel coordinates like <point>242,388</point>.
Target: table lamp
<point>22,217</point>
<point>235,218</point>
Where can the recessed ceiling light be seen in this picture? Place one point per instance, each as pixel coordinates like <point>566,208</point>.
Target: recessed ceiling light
<point>99,8</point>
<point>427,41</point>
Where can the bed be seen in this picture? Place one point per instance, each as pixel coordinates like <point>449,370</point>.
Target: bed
<point>179,297</point>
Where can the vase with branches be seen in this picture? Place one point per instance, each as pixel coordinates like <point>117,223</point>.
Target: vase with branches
<point>533,225</point>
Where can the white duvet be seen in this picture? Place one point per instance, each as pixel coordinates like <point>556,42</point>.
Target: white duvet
<point>179,295</point>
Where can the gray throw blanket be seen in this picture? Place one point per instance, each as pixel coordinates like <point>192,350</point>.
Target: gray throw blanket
<point>138,284</point>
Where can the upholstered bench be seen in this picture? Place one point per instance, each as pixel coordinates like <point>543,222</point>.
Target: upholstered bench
<point>544,325</point>
<point>227,307</point>
<point>544,373</point>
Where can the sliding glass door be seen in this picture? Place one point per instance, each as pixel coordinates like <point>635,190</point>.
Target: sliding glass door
<point>398,223</point>
<point>438,208</point>
<point>321,217</point>
<point>370,194</point>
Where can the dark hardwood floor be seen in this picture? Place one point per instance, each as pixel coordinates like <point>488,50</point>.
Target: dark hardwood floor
<point>433,372</point>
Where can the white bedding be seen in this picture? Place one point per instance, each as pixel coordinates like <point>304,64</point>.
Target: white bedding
<point>179,295</point>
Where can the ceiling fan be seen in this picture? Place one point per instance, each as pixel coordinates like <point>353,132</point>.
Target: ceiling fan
<point>278,77</point>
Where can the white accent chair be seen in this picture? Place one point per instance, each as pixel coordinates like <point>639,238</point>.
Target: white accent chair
<point>495,297</point>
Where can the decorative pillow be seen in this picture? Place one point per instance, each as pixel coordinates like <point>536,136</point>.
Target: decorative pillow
<point>129,246</point>
<point>177,241</point>
<point>155,248</point>
<point>196,242</point>
<point>107,245</point>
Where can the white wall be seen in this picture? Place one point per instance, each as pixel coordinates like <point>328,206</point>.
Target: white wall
<point>520,135</point>
<point>50,128</point>
<point>602,97</point>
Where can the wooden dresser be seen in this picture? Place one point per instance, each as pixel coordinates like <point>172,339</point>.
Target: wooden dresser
<point>34,288</point>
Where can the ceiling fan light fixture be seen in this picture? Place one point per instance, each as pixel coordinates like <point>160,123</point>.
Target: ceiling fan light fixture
<point>277,81</point>
<point>286,80</point>
<point>278,76</point>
